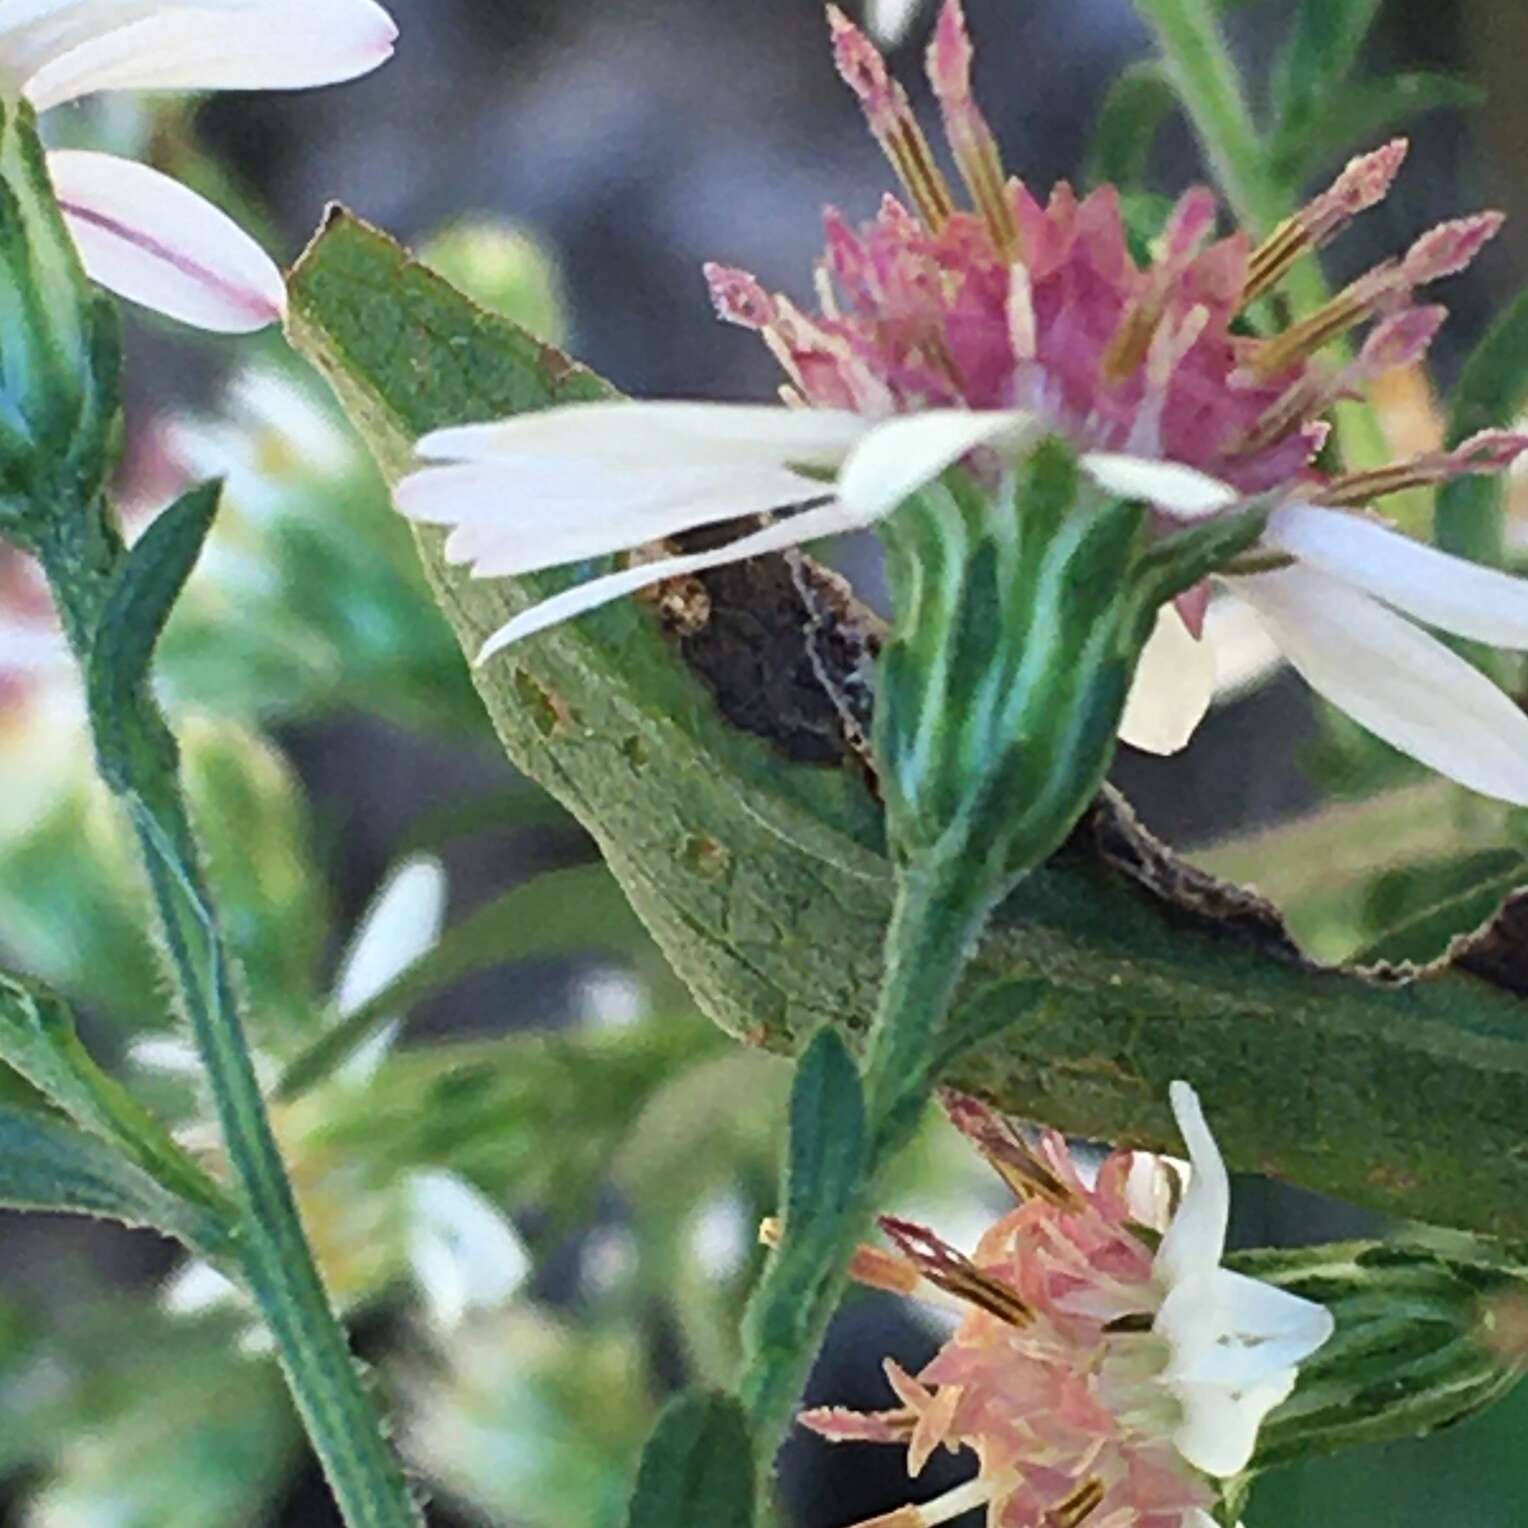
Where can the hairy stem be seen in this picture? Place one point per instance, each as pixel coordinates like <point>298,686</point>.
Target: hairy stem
<point>938,915</point>
<point>271,1247</point>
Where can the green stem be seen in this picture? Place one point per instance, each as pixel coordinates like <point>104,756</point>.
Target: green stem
<point>938,914</point>
<point>1188,33</point>
<point>940,911</point>
<point>341,1421</point>
<point>273,1252</point>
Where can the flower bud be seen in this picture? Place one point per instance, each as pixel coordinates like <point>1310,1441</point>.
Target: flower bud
<point>1425,1337</point>
<point>1021,613</point>
<point>59,348</point>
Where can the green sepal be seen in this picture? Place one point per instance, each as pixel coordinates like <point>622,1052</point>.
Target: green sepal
<point>697,1467</point>
<point>1137,104</point>
<point>1417,1345</point>
<point>60,348</point>
<point>1020,616</point>
<point>132,741</point>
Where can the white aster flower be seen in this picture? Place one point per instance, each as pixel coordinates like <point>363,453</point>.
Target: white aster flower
<point>1234,1343</point>
<point>140,233</point>
<point>1096,1380</point>
<point>1342,604</point>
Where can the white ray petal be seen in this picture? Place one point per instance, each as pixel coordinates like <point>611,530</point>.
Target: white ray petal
<point>519,516</point>
<point>1444,591</point>
<point>1195,1241</point>
<point>1183,492</point>
<point>276,45</point>
<point>899,456</point>
<point>829,520</point>
<point>1224,1328</point>
<point>1245,655</point>
<point>147,238</point>
<point>1174,683</point>
<point>620,430</point>
<point>1220,1425</point>
<point>401,925</point>
<point>35,33</point>
<point>1393,678</point>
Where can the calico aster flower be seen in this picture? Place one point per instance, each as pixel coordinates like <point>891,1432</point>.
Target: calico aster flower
<point>1107,1369</point>
<point>948,336</point>
<point>140,233</point>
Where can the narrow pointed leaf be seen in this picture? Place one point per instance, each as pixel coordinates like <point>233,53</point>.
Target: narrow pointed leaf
<point>1323,46</point>
<point>1362,115</point>
<point>50,1166</point>
<point>144,592</point>
<point>1135,108</point>
<point>38,1039</point>
<point>1491,393</point>
<point>697,1467</point>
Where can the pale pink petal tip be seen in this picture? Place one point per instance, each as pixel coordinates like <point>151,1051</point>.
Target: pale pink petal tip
<point>738,297</point>
<point>950,54</point>
<point>1367,179</point>
<point>1403,339</point>
<point>1489,451</point>
<point>149,239</point>
<point>840,1425</point>
<point>863,69</point>
<point>1450,247</point>
<point>1364,182</point>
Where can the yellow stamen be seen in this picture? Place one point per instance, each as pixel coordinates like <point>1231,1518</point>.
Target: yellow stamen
<point>1131,342</point>
<point>1272,260</point>
<point>1078,1507</point>
<point>1333,318</point>
<point>1354,488</point>
<point>913,160</point>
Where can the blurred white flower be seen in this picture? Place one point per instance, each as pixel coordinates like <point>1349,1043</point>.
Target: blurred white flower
<point>461,1252</point>
<point>143,235</point>
<point>401,926</point>
<point>608,998</point>
<point>465,1255</point>
<point>889,21</point>
<point>721,1236</point>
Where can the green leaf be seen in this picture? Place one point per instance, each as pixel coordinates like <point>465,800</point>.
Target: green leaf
<point>1457,899</point>
<point>143,593</point>
<point>38,1039</point>
<point>50,1166</point>
<point>1312,67</point>
<point>1135,108</point>
<point>757,860</point>
<point>826,1165</point>
<point>697,1467</point>
<point>1360,116</point>
<point>1491,393</point>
